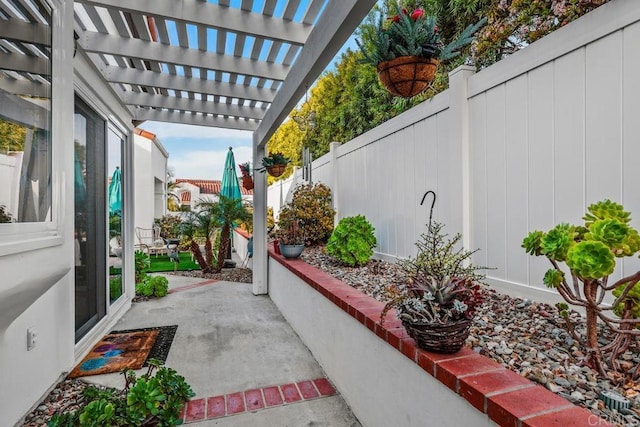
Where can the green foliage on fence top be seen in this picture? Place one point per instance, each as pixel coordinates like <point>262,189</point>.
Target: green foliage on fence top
<point>352,241</point>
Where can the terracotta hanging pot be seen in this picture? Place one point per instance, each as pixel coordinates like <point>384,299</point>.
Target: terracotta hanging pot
<point>276,170</point>
<point>407,76</point>
<point>247,182</point>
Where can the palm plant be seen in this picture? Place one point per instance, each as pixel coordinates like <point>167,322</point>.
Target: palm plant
<point>200,223</point>
<point>227,211</point>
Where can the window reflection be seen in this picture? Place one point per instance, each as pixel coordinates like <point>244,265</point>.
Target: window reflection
<point>114,206</point>
<point>25,111</point>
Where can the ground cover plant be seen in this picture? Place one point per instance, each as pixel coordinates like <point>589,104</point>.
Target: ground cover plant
<point>153,399</point>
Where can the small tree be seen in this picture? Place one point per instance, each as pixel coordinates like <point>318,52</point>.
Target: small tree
<point>590,253</point>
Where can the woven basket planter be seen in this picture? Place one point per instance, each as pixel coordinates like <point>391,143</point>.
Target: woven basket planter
<point>407,76</point>
<point>276,170</point>
<point>247,182</point>
<point>439,338</point>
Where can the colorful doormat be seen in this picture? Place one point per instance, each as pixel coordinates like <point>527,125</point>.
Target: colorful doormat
<point>125,349</point>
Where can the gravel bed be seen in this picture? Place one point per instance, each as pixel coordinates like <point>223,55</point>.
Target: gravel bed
<point>524,336</point>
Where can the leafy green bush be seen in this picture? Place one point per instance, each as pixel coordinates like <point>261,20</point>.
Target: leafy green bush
<point>169,226</point>
<point>352,241</point>
<point>141,265</point>
<point>147,400</point>
<point>153,286</point>
<point>311,208</point>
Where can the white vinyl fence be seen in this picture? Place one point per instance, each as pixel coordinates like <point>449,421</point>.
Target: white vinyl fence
<point>522,145</point>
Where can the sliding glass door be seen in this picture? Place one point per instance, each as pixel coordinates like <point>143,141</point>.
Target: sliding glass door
<point>90,218</point>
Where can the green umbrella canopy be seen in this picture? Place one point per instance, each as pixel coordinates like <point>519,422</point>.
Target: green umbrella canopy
<point>230,187</point>
<point>115,192</point>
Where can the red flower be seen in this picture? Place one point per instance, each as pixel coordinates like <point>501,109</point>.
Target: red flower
<point>417,14</point>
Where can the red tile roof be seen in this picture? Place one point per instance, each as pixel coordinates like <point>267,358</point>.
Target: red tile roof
<point>208,186</point>
<point>185,197</point>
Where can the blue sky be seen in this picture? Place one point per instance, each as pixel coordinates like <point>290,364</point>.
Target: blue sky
<point>198,152</point>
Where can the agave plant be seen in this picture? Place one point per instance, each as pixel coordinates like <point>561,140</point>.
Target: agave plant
<point>590,251</point>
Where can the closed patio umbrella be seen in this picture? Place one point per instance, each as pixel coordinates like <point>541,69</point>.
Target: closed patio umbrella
<point>115,193</point>
<point>230,187</point>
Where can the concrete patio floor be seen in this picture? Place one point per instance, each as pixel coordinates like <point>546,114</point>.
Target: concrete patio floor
<point>244,362</point>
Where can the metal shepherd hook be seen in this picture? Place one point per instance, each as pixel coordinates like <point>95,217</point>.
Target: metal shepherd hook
<point>433,203</point>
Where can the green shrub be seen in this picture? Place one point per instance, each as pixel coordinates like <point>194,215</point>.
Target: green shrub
<point>153,286</point>
<point>141,265</point>
<point>169,226</point>
<point>352,241</point>
<point>311,209</point>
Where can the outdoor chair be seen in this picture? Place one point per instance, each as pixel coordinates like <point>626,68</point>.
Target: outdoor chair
<point>149,241</point>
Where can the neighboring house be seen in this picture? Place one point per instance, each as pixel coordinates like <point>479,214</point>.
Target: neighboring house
<point>192,191</point>
<point>150,165</point>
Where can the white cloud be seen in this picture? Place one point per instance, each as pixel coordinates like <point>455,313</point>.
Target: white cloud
<point>175,130</point>
<point>206,164</point>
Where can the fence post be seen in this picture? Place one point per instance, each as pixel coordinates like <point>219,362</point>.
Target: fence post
<point>459,108</point>
<point>333,149</point>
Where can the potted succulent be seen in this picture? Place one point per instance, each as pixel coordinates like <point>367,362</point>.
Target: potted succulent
<point>406,50</point>
<point>247,180</point>
<point>442,289</point>
<point>290,238</point>
<point>275,164</point>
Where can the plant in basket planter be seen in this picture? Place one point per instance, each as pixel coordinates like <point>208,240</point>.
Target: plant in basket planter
<point>247,180</point>
<point>275,164</point>
<point>406,49</point>
<point>437,303</point>
<point>290,237</point>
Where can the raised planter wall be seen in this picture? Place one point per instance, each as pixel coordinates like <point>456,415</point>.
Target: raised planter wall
<point>387,381</point>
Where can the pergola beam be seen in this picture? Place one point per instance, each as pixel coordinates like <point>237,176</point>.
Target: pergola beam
<point>13,29</point>
<point>193,119</point>
<point>196,105</point>
<point>211,15</point>
<point>152,51</point>
<point>132,76</point>
<point>25,63</point>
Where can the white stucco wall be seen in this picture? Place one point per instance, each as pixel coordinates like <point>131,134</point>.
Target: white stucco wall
<point>150,166</point>
<point>37,259</point>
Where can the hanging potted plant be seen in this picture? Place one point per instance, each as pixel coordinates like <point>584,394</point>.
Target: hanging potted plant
<point>442,289</point>
<point>275,164</point>
<point>406,49</point>
<point>247,179</point>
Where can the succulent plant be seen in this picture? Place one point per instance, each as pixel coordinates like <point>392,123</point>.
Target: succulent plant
<point>590,252</point>
<point>556,243</point>
<point>591,260</point>
<point>606,209</point>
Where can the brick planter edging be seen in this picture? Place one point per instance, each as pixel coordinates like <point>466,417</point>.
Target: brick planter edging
<point>506,397</point>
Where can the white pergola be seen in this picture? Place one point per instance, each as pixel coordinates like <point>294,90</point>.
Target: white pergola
<point>231,64</point>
